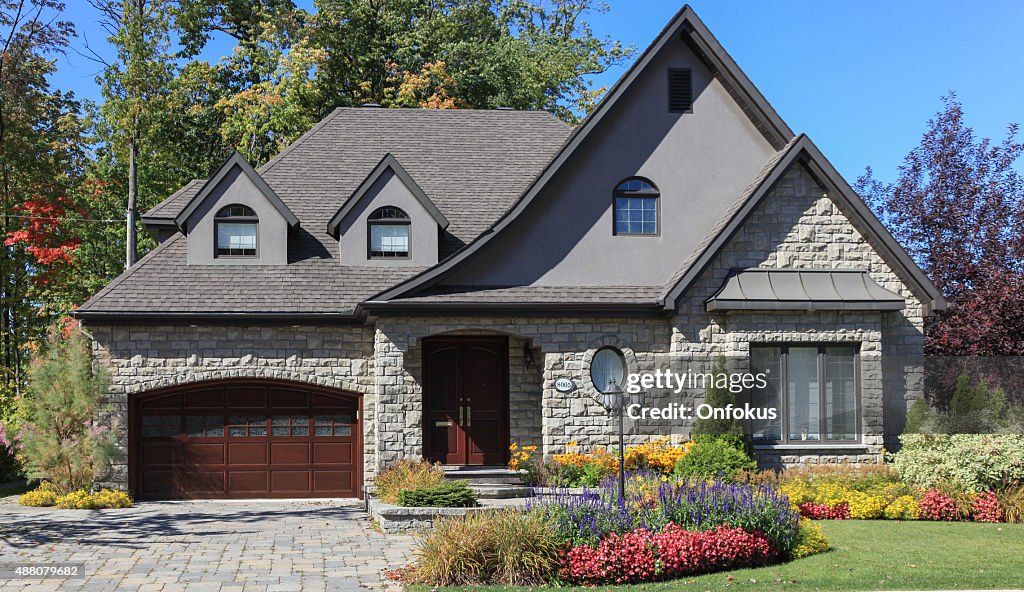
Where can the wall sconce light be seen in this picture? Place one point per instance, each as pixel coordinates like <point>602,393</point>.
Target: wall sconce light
<point>527,356</point>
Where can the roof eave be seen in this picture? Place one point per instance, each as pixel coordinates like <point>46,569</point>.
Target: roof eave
<point>195,318</point>
<point>378,307</point>
<point>721,305</point>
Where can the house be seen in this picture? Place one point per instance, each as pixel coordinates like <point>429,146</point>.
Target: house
<point>407,283</point>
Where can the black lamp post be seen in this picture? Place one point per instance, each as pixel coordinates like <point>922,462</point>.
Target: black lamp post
<point>614,400</point>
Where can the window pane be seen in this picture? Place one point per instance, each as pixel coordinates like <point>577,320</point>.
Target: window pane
<point>389,240</point>
<point>636,215</point>
<point>840,393</point>
<point>160,426</point>
<point>804,399</point>
<point>607,368</point>
<point>767,360</point>
<point>236,238</point>
<point>200,426</point>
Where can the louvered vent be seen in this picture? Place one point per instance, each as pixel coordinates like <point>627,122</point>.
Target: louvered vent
<point>680,91</point>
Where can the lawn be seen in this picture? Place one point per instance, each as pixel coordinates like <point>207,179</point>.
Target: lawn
<point>875,555</point>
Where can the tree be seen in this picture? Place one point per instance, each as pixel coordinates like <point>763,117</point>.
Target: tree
<point>491,51</point>
<point>718,396</point>
<point>62,438</point>
<point>41,151</point>
<point>134,87</point>
<point>957,206</point>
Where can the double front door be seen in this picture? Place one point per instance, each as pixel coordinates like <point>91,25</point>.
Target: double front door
<point>465,382</point>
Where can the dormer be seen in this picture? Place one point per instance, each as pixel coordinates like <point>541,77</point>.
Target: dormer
<point>236,219</point>
<point>388,220</point>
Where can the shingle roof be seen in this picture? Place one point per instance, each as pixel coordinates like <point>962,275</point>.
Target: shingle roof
<point>170,207</point>
<point>162,282</point>
<point>517,295</point>
<point>474,164</point>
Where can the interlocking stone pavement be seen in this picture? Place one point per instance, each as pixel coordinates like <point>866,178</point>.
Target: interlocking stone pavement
<point>205,546</point>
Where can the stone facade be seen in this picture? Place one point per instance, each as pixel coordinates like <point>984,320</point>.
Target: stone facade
<point>141,359</point>
<point>796,226</point>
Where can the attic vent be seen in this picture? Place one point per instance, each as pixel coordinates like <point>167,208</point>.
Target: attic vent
<point>680,90</point>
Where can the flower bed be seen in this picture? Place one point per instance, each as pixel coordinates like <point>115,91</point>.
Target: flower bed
<point>663,529</point>
<point>645,556</point>
<point>875,493</point>
<point>575,468</point>
<point>46,495</point>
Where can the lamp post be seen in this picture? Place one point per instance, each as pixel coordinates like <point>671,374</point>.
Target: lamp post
<point>614,400</point>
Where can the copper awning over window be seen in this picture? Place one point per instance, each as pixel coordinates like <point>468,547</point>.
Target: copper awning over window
<point>803,289</point>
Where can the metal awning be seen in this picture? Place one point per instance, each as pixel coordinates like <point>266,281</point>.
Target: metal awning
<point>803,289</point>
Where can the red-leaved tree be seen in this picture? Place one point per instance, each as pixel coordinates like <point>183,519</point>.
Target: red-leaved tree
<point>958,207</point>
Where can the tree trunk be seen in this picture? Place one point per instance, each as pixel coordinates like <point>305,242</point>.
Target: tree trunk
<point>133,191</point>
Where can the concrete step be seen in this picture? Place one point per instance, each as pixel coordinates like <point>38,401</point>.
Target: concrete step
<point>500,491</point>
<point>475,475</point>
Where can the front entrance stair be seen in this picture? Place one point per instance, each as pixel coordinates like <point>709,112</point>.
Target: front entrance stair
<point>491,482</point>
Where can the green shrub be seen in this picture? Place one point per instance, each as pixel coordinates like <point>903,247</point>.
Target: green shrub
<point>407,474</point>
<point>500,547</point>
<point>63,441</point>
<point>714,457</point>
<point>453,493</point>
<point>973,408</point>
<point>719,396</point>
<point>970,462</point>
<point>809,540</point>
<point>593,473</point>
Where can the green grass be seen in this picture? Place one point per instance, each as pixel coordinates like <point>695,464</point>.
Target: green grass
<point>874,555</point>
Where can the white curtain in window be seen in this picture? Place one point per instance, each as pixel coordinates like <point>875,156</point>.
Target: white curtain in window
<point>236,235</point>
<point>389,238</point>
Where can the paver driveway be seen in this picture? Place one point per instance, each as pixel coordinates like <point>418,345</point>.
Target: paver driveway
<point>204,546</point>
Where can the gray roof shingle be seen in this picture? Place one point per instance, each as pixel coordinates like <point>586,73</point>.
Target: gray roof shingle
<point>473,163</point>
<point>517,295</point>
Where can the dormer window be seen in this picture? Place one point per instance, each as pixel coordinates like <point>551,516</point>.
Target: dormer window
<point>235,227</point>
<point>636,207</point>
<point>389,231</point>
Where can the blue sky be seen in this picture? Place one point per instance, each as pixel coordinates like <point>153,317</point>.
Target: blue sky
<point>861,78</point>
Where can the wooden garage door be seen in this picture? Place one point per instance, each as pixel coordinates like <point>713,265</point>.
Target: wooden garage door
<point>245,439</point>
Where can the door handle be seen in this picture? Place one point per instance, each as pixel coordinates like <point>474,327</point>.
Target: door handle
<point>461,416</point>
<point>469,416</point>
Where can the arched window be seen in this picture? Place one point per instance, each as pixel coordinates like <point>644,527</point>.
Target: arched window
<point>388,234</point>
<point>235,228</point>
<point>636,207</point>
<point>607,369</point>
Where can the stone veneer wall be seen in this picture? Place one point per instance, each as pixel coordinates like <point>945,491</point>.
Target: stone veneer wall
<point>146,358</point>
<point>539,413</point>
<point>797,226</point>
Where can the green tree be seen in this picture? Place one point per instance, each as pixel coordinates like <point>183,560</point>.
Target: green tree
<point>513,53</point>
<point>728,430</point>
<point>134,88</point>
<point>40,158</point>
<point>62,438</point>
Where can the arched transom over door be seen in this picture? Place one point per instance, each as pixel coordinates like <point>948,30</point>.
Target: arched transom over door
<point>245,439</point>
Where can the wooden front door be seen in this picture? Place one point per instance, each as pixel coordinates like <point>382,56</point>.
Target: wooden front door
<point>465,382</point>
